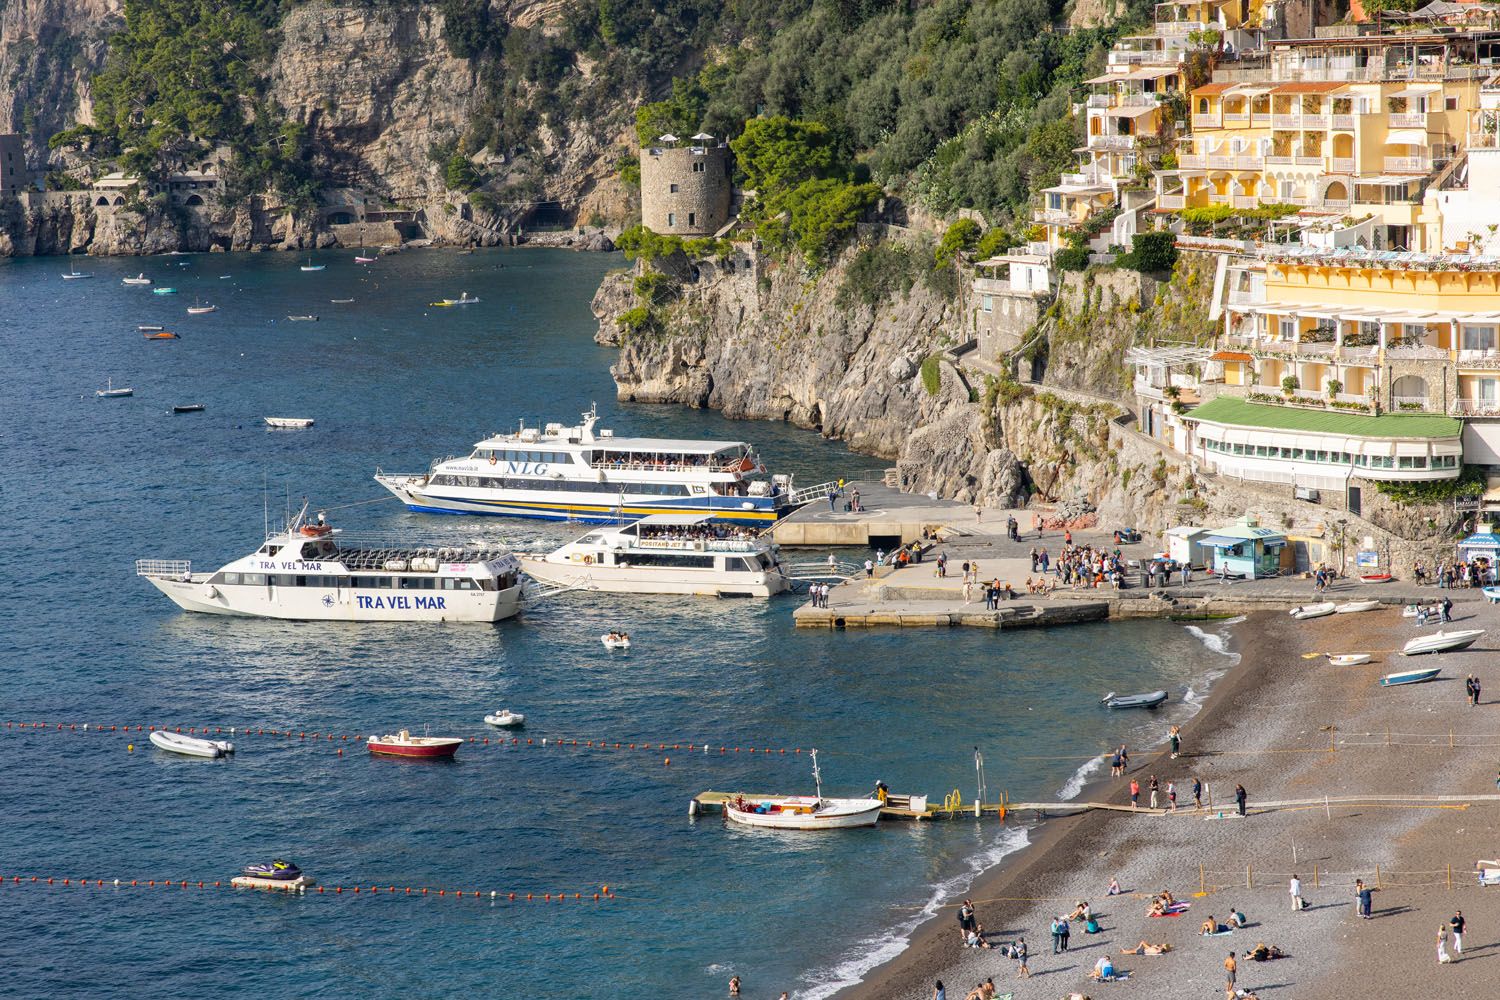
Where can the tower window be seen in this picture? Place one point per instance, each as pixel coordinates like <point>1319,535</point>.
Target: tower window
<point>672,189</point>
<point>692,218</point>
<point>699,166</point>
<point>671,218</point>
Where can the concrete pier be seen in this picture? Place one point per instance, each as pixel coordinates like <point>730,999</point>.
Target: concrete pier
<point>890,518</point>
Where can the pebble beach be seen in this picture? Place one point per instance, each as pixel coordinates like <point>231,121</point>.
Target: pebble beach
<point>1292,730</point>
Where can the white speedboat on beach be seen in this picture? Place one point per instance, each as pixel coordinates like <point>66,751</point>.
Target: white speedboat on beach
<point>583,474</point>
<point>1308,611</point>
<point>1442,642</point>
<point>1355,607</point>
<point>312,572</point>
<point>190,746</point>
<point>666,554</point>
<point>802,812</point>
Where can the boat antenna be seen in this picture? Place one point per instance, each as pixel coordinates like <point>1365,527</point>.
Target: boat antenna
<point>817,775</point>
<point>265,502</point>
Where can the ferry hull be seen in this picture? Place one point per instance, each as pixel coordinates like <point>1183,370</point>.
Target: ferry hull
<point>624,580</point>
<point>340,604</point>
<point>762,510</point>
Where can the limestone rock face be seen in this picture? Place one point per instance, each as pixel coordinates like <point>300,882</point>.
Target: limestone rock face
<point>48,51</point>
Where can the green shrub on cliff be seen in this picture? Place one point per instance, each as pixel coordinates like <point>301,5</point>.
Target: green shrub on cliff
<point>877,272</point>
<point>1470,483</point>
<point>654,288</point>
<point>961,237</point>
<point>932,374</point>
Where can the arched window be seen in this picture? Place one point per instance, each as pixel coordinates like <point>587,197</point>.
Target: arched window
<point>103,202</point>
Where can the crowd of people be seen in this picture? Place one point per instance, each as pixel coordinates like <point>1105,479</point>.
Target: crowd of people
<point>1457,575</point>
<point>705,532</point>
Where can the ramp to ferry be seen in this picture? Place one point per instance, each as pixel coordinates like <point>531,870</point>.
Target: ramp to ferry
<point>889,518</point>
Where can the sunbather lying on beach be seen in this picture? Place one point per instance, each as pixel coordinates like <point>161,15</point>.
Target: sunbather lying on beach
<point>1264,953</point>
<point>1147,948</point>
<point>1081,911</point>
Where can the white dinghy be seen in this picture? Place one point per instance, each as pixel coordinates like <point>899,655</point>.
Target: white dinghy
<point>190,746</point>
<point>1354,607</point>
<point>1307,611</point>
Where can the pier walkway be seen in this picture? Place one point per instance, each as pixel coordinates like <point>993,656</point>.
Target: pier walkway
<point>890,518</point>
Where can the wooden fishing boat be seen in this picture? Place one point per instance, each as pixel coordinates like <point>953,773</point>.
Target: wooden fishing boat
<point>188,408</point>
<point>1409,677</point>
<point>1375,578</point>
<point>161,335</point>
<point>404,744</point>
<point>803,812</point>
<point>288,423</point>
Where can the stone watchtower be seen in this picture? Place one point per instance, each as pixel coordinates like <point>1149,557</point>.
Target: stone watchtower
<point>14,178</point>
<point>685,186</point>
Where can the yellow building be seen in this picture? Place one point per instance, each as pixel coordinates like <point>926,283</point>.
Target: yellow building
<point>1351,126</point>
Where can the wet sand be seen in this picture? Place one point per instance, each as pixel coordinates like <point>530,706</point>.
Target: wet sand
<point>1269,724</point>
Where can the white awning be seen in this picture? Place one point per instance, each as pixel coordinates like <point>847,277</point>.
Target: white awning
<point>1134,111</point>
<point>1406,137</point>
<point>1417,90</point>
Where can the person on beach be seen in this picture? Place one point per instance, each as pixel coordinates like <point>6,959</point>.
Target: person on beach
<point>1210,927</point>
<point>1114,884</point>
<point>1236,917</point>
<point>1124,759</point>
<point>1104,969</point>
<point>1442,943</point>
<point>938,993</point>
<point>1023,971</point>
<point>1363,898</point>
<point>1117,768</point>
<point>1135,792</point>
<point>1176,741</point>
<point>1239,798</point>
<point>1172,796</point>
<point>1063,932</point>
<point>1197,792</point>
<point>1056,936</point>
<point>1456,923</point>
<point>965,921</point>
<point>1230,968</point>
<point>1295,888</point>
<point>1153,786</point>
<point>1474,693</point>
<point>1146,948</point>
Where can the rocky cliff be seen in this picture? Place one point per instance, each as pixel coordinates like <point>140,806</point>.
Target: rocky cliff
<point>48,51</point>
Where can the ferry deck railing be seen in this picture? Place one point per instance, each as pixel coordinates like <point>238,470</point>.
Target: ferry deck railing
<point>176,568</point>
<point>699,544</point>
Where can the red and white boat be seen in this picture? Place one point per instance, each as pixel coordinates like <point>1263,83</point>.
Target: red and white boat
<point>404,744</point>
<point>1375,578</point>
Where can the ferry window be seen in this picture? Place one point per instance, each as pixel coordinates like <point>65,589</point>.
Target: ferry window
<point>255,579</point>
<point>301,581</point>
<point>271,550</point>
<point>231,578</point>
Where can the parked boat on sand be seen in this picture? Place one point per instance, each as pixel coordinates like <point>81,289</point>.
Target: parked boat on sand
<point>1153,699</point>
<point>1309,611</point>
<point>1354,607</point>
<point>1442,642</point>
<point>1348,659</point>
<point>1409,677</point>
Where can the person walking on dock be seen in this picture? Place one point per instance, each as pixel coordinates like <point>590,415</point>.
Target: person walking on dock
<point>1197,792</point>
<point>1457,922</point>
<point>1239,798</point>
<point>1172,796</point>
<point>833,496</point>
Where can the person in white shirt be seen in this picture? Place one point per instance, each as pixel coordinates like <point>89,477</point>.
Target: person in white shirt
<point>1295,888</point>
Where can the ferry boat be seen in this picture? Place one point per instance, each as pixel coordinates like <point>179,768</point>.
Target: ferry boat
<point>308,572</point>
<point>579,474</point>
<point>665,554</point>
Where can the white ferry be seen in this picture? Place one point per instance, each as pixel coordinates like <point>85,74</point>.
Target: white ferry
<point>578,474</point>
<point>666,554</point>
<point>306,573</point>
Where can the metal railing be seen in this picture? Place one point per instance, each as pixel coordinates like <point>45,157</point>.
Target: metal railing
<point>1408,164</point>
<point>1407,119</point>
<point>1476,407</point>
<point>174,568</point>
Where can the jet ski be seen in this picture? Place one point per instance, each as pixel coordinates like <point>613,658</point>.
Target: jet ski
<point>278,870</point>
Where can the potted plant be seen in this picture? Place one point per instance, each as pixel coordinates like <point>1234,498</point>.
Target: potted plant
<point>1289,385</point>
<point>1334,387</point>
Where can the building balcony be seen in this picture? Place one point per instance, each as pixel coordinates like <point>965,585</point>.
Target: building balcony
<point>1308,395</point>
<point>1278,160</point>
<point>1179,29</point>
<point>1192,161</point>
<point>1098,101</point>
<point>1112,142</point>
<point>1315,160</point>
<point>1408,165</point>
<point>1337,204</point>
<point>1341,164</point>
<point>1236,119</point>
<point>1476,408</point>
<point>1054,217</point>
<point>1260,119</point>
<point>1407,119</point>
<point>1207,121</point>
<point>1219,161</point>
<point>1416,352</point>
<point>1345,122</point>
<point>1171,202</point>
<point>1319,121</point>
<point>1141,100</point>
<point>1243,201</point>
<point>1249,161</point>
<point>1351,397</point>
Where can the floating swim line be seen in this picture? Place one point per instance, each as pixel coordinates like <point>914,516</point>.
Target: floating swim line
<point>603,894</point>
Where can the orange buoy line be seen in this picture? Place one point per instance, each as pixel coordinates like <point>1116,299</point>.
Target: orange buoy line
<point>602,894</point>
<point>570,743</point>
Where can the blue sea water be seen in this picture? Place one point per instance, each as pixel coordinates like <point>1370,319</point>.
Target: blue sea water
<point>92,484</point>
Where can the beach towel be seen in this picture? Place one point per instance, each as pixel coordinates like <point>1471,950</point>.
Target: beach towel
<point>1175,910</point>
<point>1218,934</point>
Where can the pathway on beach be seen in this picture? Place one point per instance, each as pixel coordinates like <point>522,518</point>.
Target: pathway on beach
<point>1269,725</point>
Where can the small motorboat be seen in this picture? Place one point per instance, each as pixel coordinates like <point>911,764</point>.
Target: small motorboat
<point>303,319</point>
<point>1153,699</point>
<point>75,275</point>
<point>1442,642</point>
<point>1348,659</point>
<point>288,423</point>
<point>1354,607</point>
<point>365,260</point>
<point>276,871</point>
<point>163,291</point>
<point>161,335</point>
<point>1307,611</point>
<point>505,717</point>
<point>188,408</point>
<point>1409,677</point>
<point>139,279</point>
<point>464,299</point>
<point>1375,578</point>
<point>404,744</point>
<point>310,266</point>
<point>201,310</point>
<point>190,746</point>
<point>341,302</point>
<point>1491,594</point>
<point>803,812</point>
<point>615,640</point>
<point>149,327</point>
<point>110,392</point>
